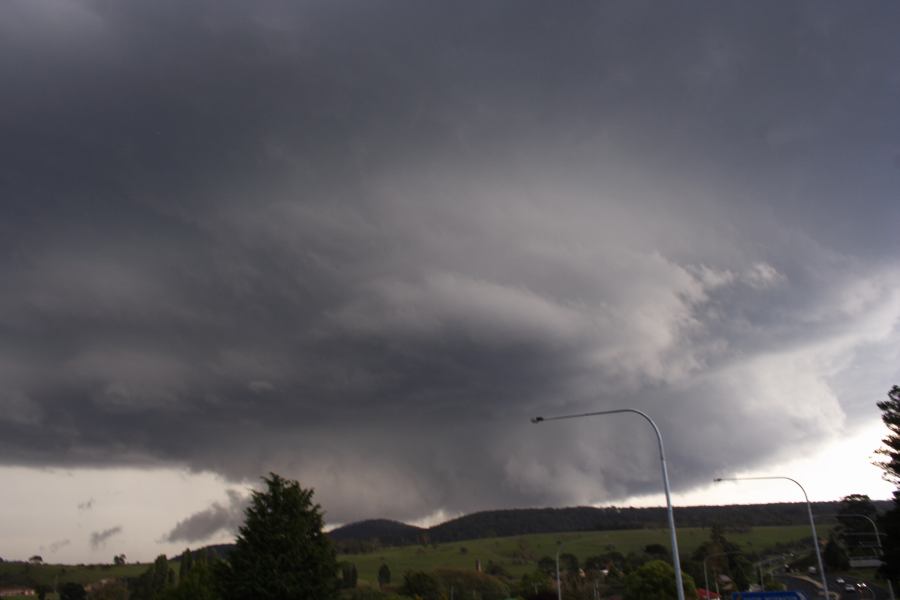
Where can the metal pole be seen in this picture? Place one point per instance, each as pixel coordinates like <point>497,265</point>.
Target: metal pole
<point>676,560</point>
<point>812,522</point>
<point>705,577</point>
<point>877,539</point>
<point>558,581</point>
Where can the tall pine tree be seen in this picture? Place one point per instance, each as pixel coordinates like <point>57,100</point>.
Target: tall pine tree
<point>281,552</point>
<point>890,521</point>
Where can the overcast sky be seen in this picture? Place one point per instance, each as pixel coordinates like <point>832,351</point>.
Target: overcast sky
<point>361,243</point>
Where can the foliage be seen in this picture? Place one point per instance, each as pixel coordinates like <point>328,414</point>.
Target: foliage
<point>119,560</point>
<point>185,564</point>
<point>72,591</point>
<point>856,531</point>
<point>421,584</point>
<point>547,565</point>
<point>472,584</point>
<point>384,575</point>
<point>154,582</point>
<point>568,562</point>
<point>376,532</point>
<point>890,521</point>
<point>365,593</point>
<point>533,583</point>
<point>517,522</point>
<point>835,555</point>
<point>281,552</point>
<point>658,551</point>
<point>890,526</point>
<point>890,415</point>
<point>197,583</point>
<point>509,553</point>
<point>722,556</point>
<point>656,581</point>
<point>116,590</point>
<point>348,575</point>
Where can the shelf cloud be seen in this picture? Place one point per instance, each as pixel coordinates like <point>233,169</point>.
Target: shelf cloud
<point>360,244</point>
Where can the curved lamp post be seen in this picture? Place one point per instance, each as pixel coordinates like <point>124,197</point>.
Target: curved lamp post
<point>812,523</point>
<point>877,538</point>
<point>558,580</point>
<point>676,560</point>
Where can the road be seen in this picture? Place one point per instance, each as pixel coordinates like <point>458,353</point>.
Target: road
<point>811,590</point>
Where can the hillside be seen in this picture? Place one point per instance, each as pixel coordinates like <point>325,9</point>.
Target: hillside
<point>389,533</point>
<point>499,523</point>
<point>517,555</point>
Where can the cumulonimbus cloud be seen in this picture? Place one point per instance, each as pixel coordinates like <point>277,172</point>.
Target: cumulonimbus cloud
<point>366,264</point>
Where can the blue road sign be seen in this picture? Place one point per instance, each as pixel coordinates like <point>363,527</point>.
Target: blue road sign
<point>786,595</point>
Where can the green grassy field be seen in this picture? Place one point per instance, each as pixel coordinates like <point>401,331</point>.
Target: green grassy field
<point>516,554</point>
<point>519,554</point>
<point>83,574</point>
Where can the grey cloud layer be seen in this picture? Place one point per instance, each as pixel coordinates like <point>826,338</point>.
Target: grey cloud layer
<point>361,244</point>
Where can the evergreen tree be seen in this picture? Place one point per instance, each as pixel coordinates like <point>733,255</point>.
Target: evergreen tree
<point>422,585</point>
<point>890,521</point>
<point>185,564</point>
<point>568,562</point>
<point>72,591</point>
<point>197,583</point>
<point>153,583</point>
<point>384,576</point>
<point>890,415</point>
<point>656,580</point>
<point>855,531</point>
<point>348,575</point>
<point>890,525</point>
<point>835,556</point>
<point>281,552</point>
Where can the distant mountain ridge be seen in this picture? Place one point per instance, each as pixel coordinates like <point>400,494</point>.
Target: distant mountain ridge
<point>393,533</point>
<point>360,535</point>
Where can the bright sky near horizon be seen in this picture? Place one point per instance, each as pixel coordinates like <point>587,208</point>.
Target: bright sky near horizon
<point>360,244</point>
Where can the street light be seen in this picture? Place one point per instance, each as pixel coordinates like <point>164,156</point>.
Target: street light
<point>679,585</point>
<point>558,580</point>
<point>812,522</point>
<point>877,538</point>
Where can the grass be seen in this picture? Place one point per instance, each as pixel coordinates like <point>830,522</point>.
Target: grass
<point>83,574</point>
<point>519,554</point>
<point>516,554</point>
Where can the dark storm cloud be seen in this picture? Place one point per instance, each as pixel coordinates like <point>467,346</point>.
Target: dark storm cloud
<point>99,538</point>
<point>216,519</point>
<point>361,244</point>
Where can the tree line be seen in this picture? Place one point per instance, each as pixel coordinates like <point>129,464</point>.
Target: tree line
<point>368,536</point>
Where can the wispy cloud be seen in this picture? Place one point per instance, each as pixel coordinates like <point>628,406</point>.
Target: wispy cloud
<point>216,519</point>
<point>57,545</point>
<point>99,538</point>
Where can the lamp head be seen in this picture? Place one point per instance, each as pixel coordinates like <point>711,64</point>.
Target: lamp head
<point>537,419</point>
